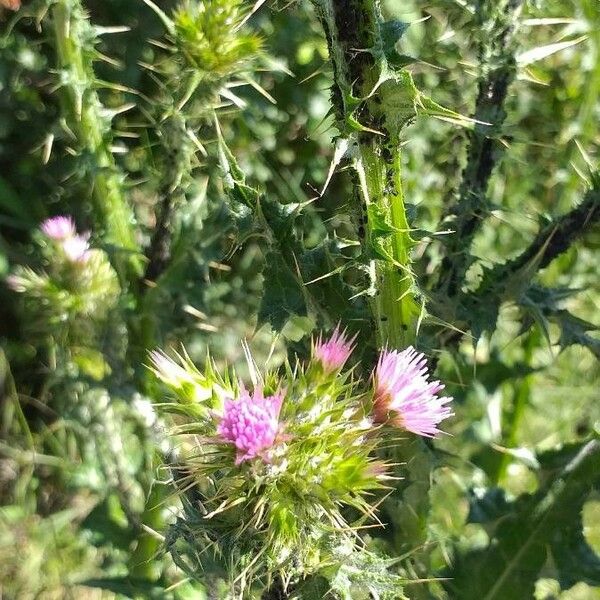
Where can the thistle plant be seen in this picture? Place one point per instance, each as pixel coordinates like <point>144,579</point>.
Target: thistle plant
<point>405,397</point>
<point>245,171</point>
<point>208,54</point>
<point>77,287</point>
<point>88,125</point>
<point>279,480</point>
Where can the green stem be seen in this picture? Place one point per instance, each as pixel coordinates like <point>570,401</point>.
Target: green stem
<point>373,103</point>
<point>86,118</point>
<point>522,393</point>
<point>142,563</point>
<point>497,23</point>
<point>394,307</point>
<point>83,114</point>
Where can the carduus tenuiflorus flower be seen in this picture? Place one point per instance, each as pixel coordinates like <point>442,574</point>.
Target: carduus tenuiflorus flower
<point>334,352</point>
<point>58,228</point>
<point>251,423</point>
<point>404,397</point>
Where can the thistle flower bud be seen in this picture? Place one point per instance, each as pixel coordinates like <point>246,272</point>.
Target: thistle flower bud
<point>251,423</point>
<point>334,352</point>
<point>404,397</point>
<point>58,228</point>
<point>182,377</point>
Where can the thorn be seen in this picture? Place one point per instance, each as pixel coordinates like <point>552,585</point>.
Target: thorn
<point>99,30</point>
<point>49,141</point>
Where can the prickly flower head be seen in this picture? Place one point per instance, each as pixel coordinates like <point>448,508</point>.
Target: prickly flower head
<point>251,423</point>
<point>58,228</point>
<point>404,396</point>
<point>334,352</point>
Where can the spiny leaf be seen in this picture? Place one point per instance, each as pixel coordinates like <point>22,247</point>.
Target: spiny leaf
<point>282,295</point>
<point>574,331</point>
<point>509,567</point>
<point>574,558</point>
<point>391,32</point>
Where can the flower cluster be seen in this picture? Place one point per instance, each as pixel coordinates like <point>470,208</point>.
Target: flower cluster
<point>281,461</point>
<point>61,230</point>
<point>402,395</point>
<point>76,279</point>
<point>403,398</point>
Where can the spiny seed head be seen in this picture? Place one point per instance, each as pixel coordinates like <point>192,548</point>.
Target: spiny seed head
<point>182,377</point>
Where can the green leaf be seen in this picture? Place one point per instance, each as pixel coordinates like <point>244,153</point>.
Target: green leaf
<point>391,32</point>
<point>574,558</point>
<point>282,295</point>
<point>509,567</point>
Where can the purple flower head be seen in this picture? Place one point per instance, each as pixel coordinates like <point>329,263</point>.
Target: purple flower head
<point>404,396</point>
<point>334,352</point>
<point>58,228</point>
<point>251,423</point>
<point>76,249</point>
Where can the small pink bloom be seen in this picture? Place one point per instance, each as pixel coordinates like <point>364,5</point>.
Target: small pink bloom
<point>58,228</point>
<point>334,352</point>
<point>251,423</point>
<point>76,249</point>
<point>404,396</point>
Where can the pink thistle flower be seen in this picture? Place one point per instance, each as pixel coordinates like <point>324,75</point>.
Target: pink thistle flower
<point>334,352</point>
<point>403,395</point>
<point>58,228</point>
<point>76,249</point>
<point>251,423</point>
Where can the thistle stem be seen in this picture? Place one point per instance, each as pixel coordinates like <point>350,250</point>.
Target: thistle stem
<point>394,304</point>
<point>84,117</point>
<point>362,87</point>
<point>498,24</point>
